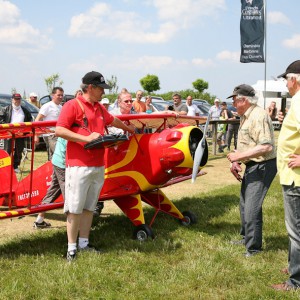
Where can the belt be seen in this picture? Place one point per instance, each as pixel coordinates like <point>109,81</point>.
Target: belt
<point>253,163</point>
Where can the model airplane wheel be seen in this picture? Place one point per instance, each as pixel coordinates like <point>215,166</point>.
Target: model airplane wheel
<point>142,232</point>
<point>189,218</point>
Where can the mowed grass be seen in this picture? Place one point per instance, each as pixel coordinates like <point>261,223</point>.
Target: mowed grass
<point>195,262</point>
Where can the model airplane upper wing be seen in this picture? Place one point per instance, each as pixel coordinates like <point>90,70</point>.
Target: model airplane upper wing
<point>161,120</point>
<point>139,121</point>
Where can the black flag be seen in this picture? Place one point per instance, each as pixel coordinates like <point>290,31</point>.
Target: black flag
<point>252,31</point>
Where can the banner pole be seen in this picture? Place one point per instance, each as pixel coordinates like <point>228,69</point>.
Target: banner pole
<point>265,30</point>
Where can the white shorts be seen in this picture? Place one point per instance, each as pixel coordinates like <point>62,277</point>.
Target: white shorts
<point>82,188</point>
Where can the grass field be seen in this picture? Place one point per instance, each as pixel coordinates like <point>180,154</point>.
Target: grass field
<point>196,262</point>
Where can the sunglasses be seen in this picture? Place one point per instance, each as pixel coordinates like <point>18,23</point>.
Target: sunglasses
<point>128,101</point>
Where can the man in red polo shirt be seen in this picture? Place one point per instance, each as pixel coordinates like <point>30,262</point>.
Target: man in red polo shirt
<point>82,120</point>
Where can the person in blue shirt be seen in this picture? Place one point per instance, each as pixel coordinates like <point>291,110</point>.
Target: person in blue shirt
<point>57,186</point>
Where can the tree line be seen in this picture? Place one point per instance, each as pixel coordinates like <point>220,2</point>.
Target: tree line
<point>150,84</point>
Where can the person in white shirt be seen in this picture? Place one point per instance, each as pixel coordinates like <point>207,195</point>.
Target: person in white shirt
<point>48,112</point>
<point>193,109</point>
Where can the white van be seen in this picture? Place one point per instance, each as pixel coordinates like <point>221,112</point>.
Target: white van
<point>277,91</point>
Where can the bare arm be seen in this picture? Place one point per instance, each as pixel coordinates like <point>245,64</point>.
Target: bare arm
<point>119,124</point>
<point>39,117</point>
<point>251,153</point>
<point>182,113</point>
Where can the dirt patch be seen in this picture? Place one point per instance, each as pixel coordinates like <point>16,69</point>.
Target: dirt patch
<point>218,175</point>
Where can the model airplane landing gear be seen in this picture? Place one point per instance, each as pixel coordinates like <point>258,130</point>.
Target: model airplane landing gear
<point>189,218</point>
<point>142,233</point>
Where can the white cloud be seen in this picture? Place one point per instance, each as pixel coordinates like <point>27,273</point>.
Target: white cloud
<point>186,10</point>
<point>8,12</point>
<point>228,55</point>
<point>102,20</point>
<point>142,63</point>
<point>123,64</point>
<point>15,32</point>
<point>293,42</point>
<point>277,17</point>
<point>202,62</point>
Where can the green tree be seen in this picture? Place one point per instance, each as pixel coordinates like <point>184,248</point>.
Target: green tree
<point>200,85</point>
<point>150,83</point>
<point>53,81</point>
<point>113,84</point>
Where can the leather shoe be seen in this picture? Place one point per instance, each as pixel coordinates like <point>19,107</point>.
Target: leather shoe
<point>285,271</point>
<point>282,287</point>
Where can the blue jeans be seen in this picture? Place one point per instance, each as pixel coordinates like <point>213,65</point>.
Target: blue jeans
<point>291,195</point>
<point>255,184</point>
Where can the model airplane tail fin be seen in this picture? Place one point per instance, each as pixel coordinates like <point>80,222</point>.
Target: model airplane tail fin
<point>5,173</point>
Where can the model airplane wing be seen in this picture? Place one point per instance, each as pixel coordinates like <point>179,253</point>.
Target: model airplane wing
<point>142,121</point>
<point>26,129</point>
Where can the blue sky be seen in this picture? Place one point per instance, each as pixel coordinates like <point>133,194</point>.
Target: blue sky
<point>179,41</point>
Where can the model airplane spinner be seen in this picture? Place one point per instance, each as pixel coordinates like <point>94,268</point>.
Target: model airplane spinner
<point>135,170</point>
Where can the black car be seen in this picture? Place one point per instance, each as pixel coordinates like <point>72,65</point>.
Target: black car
<point>47,98</point>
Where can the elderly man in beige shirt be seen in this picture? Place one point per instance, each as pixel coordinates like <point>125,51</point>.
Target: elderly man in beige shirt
<point>256,149</point>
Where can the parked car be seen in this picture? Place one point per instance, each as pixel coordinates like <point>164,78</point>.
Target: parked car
<point>47,98</point>
<point>156,98</point>
<point>204,109</point>
<point>160,105</point>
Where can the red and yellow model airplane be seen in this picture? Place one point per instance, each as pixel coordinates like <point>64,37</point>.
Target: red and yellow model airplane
<point>135,170</point>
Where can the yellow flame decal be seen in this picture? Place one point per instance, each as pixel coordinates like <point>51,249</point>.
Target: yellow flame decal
<point>130,155</point>
<point>140,208</point>
<point>166,200</point>
<point>4,162</point>
<point>138,177</point>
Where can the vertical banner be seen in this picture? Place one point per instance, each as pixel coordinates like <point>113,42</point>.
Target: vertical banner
<point>252,31</point>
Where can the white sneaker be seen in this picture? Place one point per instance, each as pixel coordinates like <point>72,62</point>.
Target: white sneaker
<point>17,170</point>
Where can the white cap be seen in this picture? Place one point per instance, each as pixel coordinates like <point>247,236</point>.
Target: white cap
<point>105,101</point>
<point>33,94</point>
<point>217,100</point>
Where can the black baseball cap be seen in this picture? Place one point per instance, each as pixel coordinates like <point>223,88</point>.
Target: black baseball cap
<point>294,67</point>
<point>244,90</point>
<point>95,78</point>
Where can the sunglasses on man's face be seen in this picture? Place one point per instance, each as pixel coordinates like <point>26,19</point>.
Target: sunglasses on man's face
<point>128,101</point>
